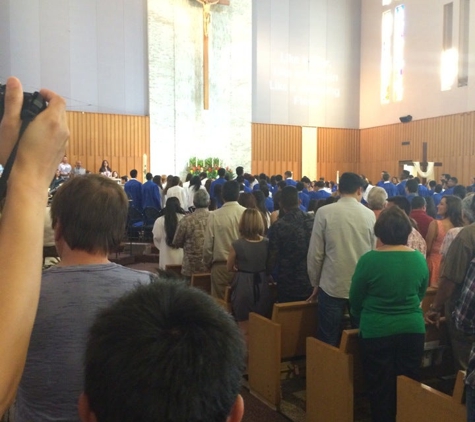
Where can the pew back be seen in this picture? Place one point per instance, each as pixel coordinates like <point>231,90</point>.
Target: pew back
<point>174,269</point>
<point>333,376</point>
<point>297,320</point>
<point>201,281</point>
<point>419,402</point>
<point>226,302</point>
<point>276,339</point>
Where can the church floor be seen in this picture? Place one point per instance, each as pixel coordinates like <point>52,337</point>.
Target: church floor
<point>256,411</point>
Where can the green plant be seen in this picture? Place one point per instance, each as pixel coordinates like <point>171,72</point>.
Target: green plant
<point>209,165</point>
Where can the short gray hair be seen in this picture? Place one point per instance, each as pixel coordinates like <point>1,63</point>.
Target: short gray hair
<point>468,208</point>
<point>201,198</point>
<point>377,198</point>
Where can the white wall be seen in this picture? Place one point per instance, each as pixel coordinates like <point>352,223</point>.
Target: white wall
<point>179,126</point>
<point>423,97</point>
<point>92,52</point>
<point>306,62</point>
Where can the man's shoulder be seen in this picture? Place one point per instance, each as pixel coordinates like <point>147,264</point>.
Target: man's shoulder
<point>350,209</point>
<point>230,207</point>
<point>467,234</point>
<point>194,218</point>
<point>132,182</point>
<point>85,272</point>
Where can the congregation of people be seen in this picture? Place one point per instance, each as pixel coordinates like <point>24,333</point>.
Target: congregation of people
<point>91,340</point>
<point>87,339</point>
<point>361,250</point>
<point>351,246</point>
<point>366,253</point>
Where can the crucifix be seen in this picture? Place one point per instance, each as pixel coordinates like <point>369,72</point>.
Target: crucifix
<point>424,163</point>
<point>206,26</point>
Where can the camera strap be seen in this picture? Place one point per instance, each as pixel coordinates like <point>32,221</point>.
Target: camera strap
<point>11,159</point>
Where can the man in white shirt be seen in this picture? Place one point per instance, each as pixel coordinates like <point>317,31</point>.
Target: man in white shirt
<point>64,168</point>
<point>342,233</point>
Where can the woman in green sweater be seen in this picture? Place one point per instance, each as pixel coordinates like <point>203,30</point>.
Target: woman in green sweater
<point>386,290</point>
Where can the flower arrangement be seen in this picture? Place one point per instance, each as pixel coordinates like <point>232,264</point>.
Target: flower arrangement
<point>209,165</point>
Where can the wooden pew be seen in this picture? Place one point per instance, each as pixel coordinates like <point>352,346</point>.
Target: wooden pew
<point>226,302</point>
<point>334,377</point>
<point>174,269</point>
<point>201,281</point>
<point>421,403</point>
<point>274,340</point>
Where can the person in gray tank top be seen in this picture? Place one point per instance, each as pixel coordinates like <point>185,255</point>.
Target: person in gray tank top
<point>89,215</point>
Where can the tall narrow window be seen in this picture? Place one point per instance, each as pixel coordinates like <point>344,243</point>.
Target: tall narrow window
<point>392,53</point>
<point>398,64</point>
<point>386,56</point>
<point>448,23</point>
<point>449,60</point>
<point>464,25</point>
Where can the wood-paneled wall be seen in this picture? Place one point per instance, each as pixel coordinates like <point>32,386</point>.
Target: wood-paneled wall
<point>337,150</point>
<point>450,140</point>
<point>122,140</point>
<point>276,149</point>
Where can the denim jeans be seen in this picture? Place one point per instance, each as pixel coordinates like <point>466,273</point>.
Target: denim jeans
<point>383,359</point>
<point>330,317</point>
<point>470,400</point>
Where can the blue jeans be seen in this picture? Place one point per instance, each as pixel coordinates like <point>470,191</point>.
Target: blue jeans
<point>470,400</point>
<point>383,359</point>
<point>330,317</point>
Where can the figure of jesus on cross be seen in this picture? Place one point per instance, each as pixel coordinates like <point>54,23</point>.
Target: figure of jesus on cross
<point>206,25</point>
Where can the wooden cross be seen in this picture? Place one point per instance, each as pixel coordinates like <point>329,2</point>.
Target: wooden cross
<point>206,25</point>
<point>424,161</point>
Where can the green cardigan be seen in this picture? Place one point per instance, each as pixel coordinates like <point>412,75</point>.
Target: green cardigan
<point>386,291</point>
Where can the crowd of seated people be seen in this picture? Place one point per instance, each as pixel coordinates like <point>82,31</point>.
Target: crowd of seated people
<point>132,330</point>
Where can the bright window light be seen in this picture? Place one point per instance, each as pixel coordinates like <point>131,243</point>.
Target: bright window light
<point>449,68</point>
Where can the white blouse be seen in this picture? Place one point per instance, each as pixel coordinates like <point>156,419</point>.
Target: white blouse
<point>190,194</point>
<point>168,255</point>
<point>177,192</point>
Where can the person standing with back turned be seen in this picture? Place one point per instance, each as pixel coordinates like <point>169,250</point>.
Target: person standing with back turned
<point>342,233</point>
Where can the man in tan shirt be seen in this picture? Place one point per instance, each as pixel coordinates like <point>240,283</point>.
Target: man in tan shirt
<point>342,233</point>
<point>222,230</point>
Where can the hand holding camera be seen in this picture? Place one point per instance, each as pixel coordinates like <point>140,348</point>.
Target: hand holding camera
<point>44,141</point>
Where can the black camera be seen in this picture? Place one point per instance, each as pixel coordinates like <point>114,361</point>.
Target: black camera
<point>33,104</point>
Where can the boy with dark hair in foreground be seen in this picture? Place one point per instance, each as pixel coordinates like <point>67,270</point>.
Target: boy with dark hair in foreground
<point>164,352</point>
